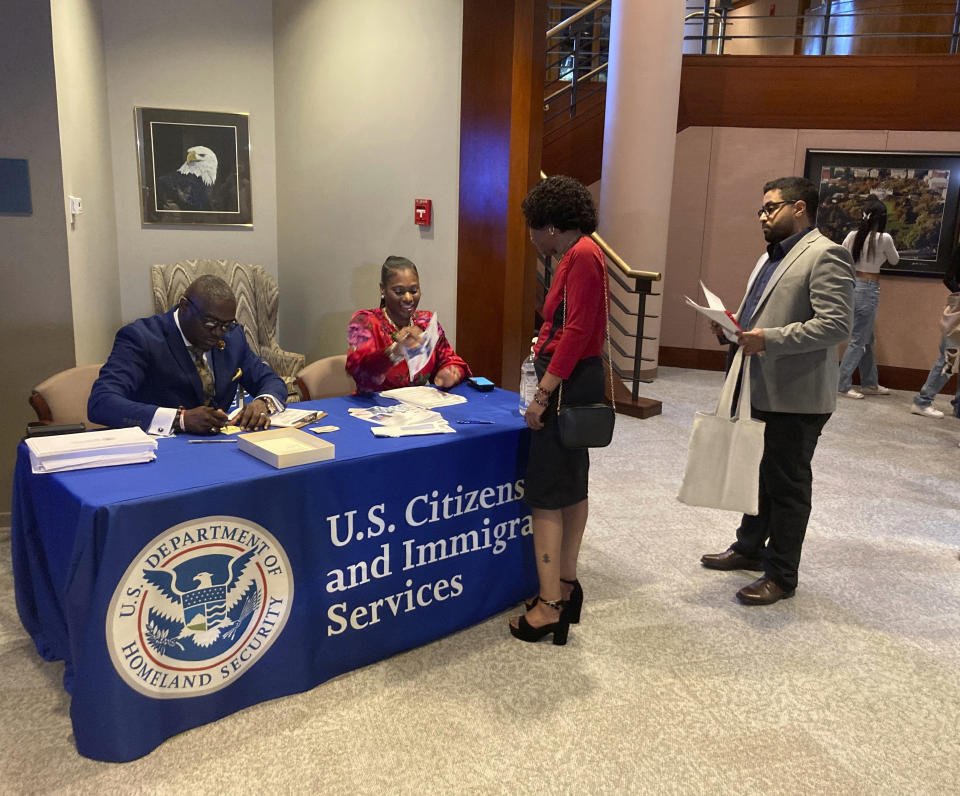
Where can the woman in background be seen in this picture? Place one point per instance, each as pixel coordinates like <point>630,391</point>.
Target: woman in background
<point>561,215</point>
<point>871,247</point>
<point>376,338</point>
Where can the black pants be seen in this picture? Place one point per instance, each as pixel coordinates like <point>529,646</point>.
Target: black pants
<point>786,484</point>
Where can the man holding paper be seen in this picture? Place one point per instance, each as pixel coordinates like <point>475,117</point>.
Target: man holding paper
<point>798,307</point>
<point>179,371</point>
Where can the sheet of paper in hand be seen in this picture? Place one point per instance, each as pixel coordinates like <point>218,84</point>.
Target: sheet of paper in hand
<point>418,357</point>
<point>715,311</point>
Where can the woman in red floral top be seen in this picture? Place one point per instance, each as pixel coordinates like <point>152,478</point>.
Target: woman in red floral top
<point>376,338</point>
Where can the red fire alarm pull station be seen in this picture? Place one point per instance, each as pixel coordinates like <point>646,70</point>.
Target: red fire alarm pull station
<point>422,212</point>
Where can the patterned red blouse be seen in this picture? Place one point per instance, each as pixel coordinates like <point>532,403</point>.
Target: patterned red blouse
<point>371,332</point>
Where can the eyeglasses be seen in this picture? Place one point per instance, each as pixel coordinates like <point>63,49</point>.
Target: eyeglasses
<point>770,208</point>
<point>212,323</point>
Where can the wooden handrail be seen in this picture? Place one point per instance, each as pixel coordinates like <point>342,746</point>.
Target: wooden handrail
<point>573,18</point>
<point>617,260</point>
<point>653,276</point>
<point>567,88</point>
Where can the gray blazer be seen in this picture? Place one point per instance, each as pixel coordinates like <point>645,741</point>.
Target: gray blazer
<point>805,311</point>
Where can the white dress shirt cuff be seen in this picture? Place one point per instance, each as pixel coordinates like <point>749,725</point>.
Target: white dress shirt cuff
<point>273,406</point>
<point>162,423</point>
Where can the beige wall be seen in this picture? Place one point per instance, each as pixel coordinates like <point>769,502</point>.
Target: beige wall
<point>218,56</point>
<point>87,173</point>
<point>36,323</point>
<point>715,235</point>
<point>365,124</point>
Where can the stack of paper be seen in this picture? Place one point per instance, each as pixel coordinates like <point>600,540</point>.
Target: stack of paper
<point>295,418</point>
<point>92,449</point>
<point>402,420</point>
<point>426,397</point>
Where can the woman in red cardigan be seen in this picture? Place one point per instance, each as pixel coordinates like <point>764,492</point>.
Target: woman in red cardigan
<point>561,215</point>
<point>376,338</point>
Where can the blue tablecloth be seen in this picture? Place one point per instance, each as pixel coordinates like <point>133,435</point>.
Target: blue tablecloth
<point>184,589</point>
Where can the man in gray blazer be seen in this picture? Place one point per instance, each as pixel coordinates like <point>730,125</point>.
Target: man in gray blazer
<point>797,309</point>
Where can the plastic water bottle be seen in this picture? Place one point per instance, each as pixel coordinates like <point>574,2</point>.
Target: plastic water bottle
<point>528,380</point>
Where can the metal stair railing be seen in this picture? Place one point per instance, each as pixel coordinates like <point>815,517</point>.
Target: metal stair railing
<point>822,28</point>
<point>577,52</point>
<point>631,281</point>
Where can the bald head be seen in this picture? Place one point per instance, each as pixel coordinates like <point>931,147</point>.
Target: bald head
<point>207,310</point>
<point>210,288</point>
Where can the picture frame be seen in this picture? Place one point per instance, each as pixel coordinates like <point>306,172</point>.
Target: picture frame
<point>194,167</point>
<point>920,189</point>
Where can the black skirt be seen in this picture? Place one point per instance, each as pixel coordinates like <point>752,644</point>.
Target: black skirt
<point>557,476</point>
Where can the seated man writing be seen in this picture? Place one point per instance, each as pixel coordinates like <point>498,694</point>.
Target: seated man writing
<point>179,371</point>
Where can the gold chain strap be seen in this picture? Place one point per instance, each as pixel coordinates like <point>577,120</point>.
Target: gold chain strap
<point>606,334</point>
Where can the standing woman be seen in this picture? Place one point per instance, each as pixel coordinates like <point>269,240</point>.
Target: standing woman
<point>561,215</point>
<point>871,248</point>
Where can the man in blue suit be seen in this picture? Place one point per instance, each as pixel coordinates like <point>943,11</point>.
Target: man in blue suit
<point>178,371</point>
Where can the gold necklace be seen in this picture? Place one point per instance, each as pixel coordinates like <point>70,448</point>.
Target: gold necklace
<point>396,325</point>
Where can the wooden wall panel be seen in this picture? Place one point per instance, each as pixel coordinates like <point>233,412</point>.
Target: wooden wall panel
<point>501,134</point>
<point>907,92</point>
<point>575,146</point>
<point>884,17</point>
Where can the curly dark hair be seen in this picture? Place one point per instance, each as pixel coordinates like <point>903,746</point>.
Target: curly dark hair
<point>561,202</point>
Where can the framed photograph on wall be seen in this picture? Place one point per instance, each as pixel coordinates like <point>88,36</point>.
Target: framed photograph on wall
<point>194,167</point>
<point>920,190</point>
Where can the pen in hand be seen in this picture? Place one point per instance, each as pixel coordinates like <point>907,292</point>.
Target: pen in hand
<point>478,422</point>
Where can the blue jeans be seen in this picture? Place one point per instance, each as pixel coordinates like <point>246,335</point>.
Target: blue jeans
<point>935,381</point>
<point>859,353</point>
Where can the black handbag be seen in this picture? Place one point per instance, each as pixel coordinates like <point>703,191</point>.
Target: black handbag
<point>586,425</point>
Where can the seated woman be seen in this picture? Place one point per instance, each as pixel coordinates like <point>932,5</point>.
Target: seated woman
<point>376,338</point>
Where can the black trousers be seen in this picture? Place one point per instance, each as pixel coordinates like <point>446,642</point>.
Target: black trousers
<point>786,483</point>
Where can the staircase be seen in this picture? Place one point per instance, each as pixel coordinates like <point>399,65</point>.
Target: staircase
<point>575,88</point>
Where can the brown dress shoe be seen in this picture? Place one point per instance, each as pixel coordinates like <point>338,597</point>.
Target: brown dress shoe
<point>731,559</point>
<point>763,591</point>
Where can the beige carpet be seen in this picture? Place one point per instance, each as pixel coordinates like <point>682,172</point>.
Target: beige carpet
<point>667,686</point>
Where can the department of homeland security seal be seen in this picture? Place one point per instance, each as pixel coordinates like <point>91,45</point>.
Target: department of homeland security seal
<point>198,607</point>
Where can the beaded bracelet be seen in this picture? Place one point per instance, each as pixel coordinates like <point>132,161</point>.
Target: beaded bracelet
<point>537,401</point>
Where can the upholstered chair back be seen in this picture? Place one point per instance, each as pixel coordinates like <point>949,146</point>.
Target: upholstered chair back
<point>62,398</point>
<point>326,378</point>
<point>258,300</point>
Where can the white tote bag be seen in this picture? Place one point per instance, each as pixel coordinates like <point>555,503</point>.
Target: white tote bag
<point>723,463</point>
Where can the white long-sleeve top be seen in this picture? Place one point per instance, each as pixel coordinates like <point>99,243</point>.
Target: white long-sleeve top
<point>884,252</point>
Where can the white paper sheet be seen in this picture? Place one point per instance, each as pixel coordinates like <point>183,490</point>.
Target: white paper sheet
<point>424,396</point>
<point>716,312</point>
<point>418,357</point>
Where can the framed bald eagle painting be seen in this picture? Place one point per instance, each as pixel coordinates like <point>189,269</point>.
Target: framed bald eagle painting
<point>194,167</point>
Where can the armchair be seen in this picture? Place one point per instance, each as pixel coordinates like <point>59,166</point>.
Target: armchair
<point>326,378</point>
<point>62,398</point>
<point>258,299</point>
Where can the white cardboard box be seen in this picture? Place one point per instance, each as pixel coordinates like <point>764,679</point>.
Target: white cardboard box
<point>285,447</point>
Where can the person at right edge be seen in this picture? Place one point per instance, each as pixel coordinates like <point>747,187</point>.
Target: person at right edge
<point>923,401</point>
<point>561,215</point>
<point>798,308</point>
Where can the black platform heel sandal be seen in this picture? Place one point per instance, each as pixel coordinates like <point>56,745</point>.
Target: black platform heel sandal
<point>574,603</point>
<point>527,632</point>
<point>529,604</point>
